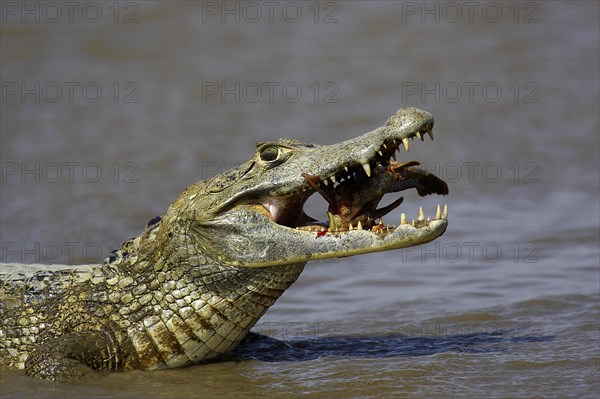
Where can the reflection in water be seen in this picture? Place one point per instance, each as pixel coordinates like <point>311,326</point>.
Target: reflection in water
<point>267,349</point>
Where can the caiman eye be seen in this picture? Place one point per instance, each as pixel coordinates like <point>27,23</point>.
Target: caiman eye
<point>269,154</point>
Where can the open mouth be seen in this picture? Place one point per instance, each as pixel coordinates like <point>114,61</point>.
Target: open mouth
<point>354,191</point>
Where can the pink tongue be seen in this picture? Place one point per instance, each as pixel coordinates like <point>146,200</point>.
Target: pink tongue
<point>273,209</point>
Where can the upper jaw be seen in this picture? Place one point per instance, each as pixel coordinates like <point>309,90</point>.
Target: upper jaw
<point>380,152</point>
<point>329,163</point>
<point>375,147</point>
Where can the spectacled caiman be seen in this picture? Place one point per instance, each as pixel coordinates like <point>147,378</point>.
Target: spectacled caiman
<point>190,287</point>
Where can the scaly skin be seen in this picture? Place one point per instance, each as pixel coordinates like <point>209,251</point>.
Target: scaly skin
<point>191,286</point>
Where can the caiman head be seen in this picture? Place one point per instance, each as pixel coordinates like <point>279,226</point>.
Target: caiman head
<point>253,216</point>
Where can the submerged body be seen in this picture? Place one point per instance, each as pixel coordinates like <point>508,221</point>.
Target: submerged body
<point>191,286</point>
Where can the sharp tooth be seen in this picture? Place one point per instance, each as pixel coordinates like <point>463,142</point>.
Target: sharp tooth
<point>418,134</point>
<point>346,168</point>
<point>380,153</point>
<point>406,143</point>
<point>333,179</point>
<point>438,213</point>
<point>325,182</point>
<point>421,214</point>
<point>359,226</point>
<point>350,227</point>
<point>332,224</point>
<point>445,213</point>
<point>428,219</point>
<point>367,168</point>
<point>413,223</point>
<point>384,146</point>
<point>430,133</point>
<point>403,218</point>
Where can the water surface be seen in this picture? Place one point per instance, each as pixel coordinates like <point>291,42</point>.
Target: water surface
<point>505,304</point>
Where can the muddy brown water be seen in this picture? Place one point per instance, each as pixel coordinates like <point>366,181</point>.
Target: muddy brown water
<point>110,110</point>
